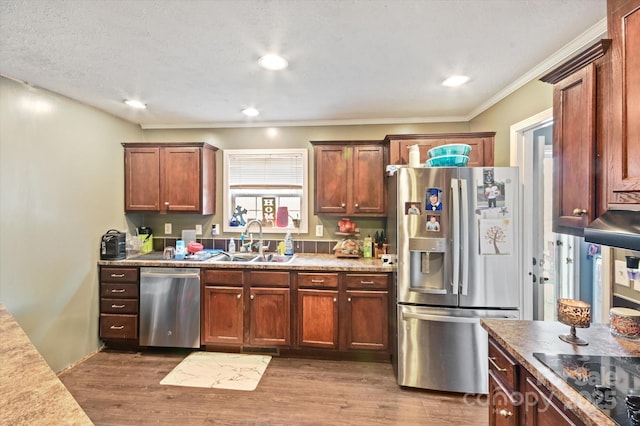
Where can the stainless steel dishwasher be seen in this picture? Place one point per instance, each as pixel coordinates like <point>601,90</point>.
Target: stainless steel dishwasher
<point>170,307</point>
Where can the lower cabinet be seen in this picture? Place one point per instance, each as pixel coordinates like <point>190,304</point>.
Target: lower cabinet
<point>119,291</point>
<point>246,308</point>
<point>516,397</point>
<point>343,311</point>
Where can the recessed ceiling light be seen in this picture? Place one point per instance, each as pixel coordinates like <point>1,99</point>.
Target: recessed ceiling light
<point>250,112</point>
<point>273,62</point>
<point>135,104</point>
<point>455,80</point>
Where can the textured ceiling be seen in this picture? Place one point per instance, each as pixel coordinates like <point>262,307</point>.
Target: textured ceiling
<point>351,61</point>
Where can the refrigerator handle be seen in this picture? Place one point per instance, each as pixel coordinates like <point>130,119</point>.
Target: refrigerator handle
<point>439,318</point>
<point>464,199</point>
<point>455,246</point>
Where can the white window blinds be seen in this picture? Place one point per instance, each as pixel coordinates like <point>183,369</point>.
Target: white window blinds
<point>248,169</point>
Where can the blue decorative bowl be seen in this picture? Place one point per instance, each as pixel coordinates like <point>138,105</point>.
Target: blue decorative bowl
<point>447,161</point>
<point>450,149</point>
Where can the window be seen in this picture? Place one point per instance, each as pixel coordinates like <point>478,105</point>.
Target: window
<point>265,184</point>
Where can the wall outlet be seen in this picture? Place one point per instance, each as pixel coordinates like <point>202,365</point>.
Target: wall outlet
<point>620,273</point>
<point>215,229</point>
<point>198,229</point>
<point>167,229</point>
<point>319,230</point>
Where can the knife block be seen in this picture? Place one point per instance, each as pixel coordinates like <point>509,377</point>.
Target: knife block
<point>378,252</point>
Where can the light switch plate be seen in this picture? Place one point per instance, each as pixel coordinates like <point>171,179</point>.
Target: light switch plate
<point>620,273</point>
<point>198,229</point>
<point>319,230</point>
<point>167,228</point>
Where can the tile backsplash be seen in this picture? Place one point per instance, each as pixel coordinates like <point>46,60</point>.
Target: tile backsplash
<point>299,246</point>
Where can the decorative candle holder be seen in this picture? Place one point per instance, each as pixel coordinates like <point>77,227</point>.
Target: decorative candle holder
<point>574,313</point>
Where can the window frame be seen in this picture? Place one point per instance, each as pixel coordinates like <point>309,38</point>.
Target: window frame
<point>304,199</point>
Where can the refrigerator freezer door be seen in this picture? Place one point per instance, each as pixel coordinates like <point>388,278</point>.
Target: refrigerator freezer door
<point>490,229</point>
<point>421,222</point>
<point>444,349</point>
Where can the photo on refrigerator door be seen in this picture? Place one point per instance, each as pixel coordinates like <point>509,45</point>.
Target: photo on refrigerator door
<point>412,207</point>
<point>433,223</point>
<point>434,202</point>
<point>496,236</point>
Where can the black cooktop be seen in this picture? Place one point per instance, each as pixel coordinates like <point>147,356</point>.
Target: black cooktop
<point>605,381</point>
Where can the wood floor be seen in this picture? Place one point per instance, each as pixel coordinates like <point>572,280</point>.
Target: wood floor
<point>116,388</point>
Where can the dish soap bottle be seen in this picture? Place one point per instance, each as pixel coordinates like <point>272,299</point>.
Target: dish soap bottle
<point>414,156</point>
<point>367,249</point>
<point>288,244</point>
<point>232,246</point>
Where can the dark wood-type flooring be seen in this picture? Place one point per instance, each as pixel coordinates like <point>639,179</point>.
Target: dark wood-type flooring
<point>123,388</point>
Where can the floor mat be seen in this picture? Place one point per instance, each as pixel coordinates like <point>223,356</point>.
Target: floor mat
<point>219,370</point>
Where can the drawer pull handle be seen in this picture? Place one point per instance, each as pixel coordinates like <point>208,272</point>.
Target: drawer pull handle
<point>506,414</point>
<point>492,360</point>
<point>349,299</point>
<point>117,275</point>
<point>116,327</point>
<point>117,306</point>
<point>335,300</point>
<point>317,281</point>
<point>366,282</point>
<point>239,296</point>
<point>252,297</point>
<point>118,290</point>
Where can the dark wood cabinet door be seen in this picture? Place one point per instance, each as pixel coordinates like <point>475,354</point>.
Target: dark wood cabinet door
<point>424,145</point>
<point>222,316</point>
<point>369,195</point>
<point>481,154</point>
<point>574,152</point>
<point>542,410</point>
<point>270,317</point>
<point>142,179</point>
<point>623,146</point>
<point>318,318</point>
<point>366,320</point>
<point>331,179</point>
<point>180,179</point>
<point>503,410</point>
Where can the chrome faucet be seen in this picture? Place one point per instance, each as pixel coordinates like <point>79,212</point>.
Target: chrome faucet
<point>260,241</point>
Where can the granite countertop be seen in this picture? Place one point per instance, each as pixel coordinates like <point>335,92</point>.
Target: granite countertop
<point>522,338</point>
<point>31,393</point>
<point>300,262</point>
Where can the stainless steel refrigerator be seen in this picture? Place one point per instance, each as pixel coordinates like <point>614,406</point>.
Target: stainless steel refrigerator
<point>456,234</point>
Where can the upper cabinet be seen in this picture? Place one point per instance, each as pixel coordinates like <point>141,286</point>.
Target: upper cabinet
<point>350,178</point>
<point>622,150</point>
<point>481,146</point>
<point>170,177</point>
<point>579,99</point>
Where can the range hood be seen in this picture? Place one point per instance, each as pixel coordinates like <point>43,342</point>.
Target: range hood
<point>615,228</point>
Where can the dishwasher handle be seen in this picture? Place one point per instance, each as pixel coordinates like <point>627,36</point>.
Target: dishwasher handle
<point>170,274</point>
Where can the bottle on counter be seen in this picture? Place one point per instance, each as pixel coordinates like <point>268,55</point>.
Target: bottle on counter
<point>288,244</point>
<point>232,246</point>
<point>367,249</point>
<point>181,249</point>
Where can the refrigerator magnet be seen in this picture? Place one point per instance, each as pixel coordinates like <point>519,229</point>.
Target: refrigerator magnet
<point>434,199</point>
<point>412,207</point>
<point>433,223</point>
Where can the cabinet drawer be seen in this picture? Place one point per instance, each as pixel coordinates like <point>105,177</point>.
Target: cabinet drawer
<point>119,275</point>
<point>119,306</point>
<point>221,276</point>
<point>503,367</point>
<point>268,278</point>
<point>318,280</point>
<point>118,326</point>
<point>367,281</point>
<point>119,290</point>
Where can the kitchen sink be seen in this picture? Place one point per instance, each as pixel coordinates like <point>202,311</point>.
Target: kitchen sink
<point>234,257</point>
<point>251,258</point>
